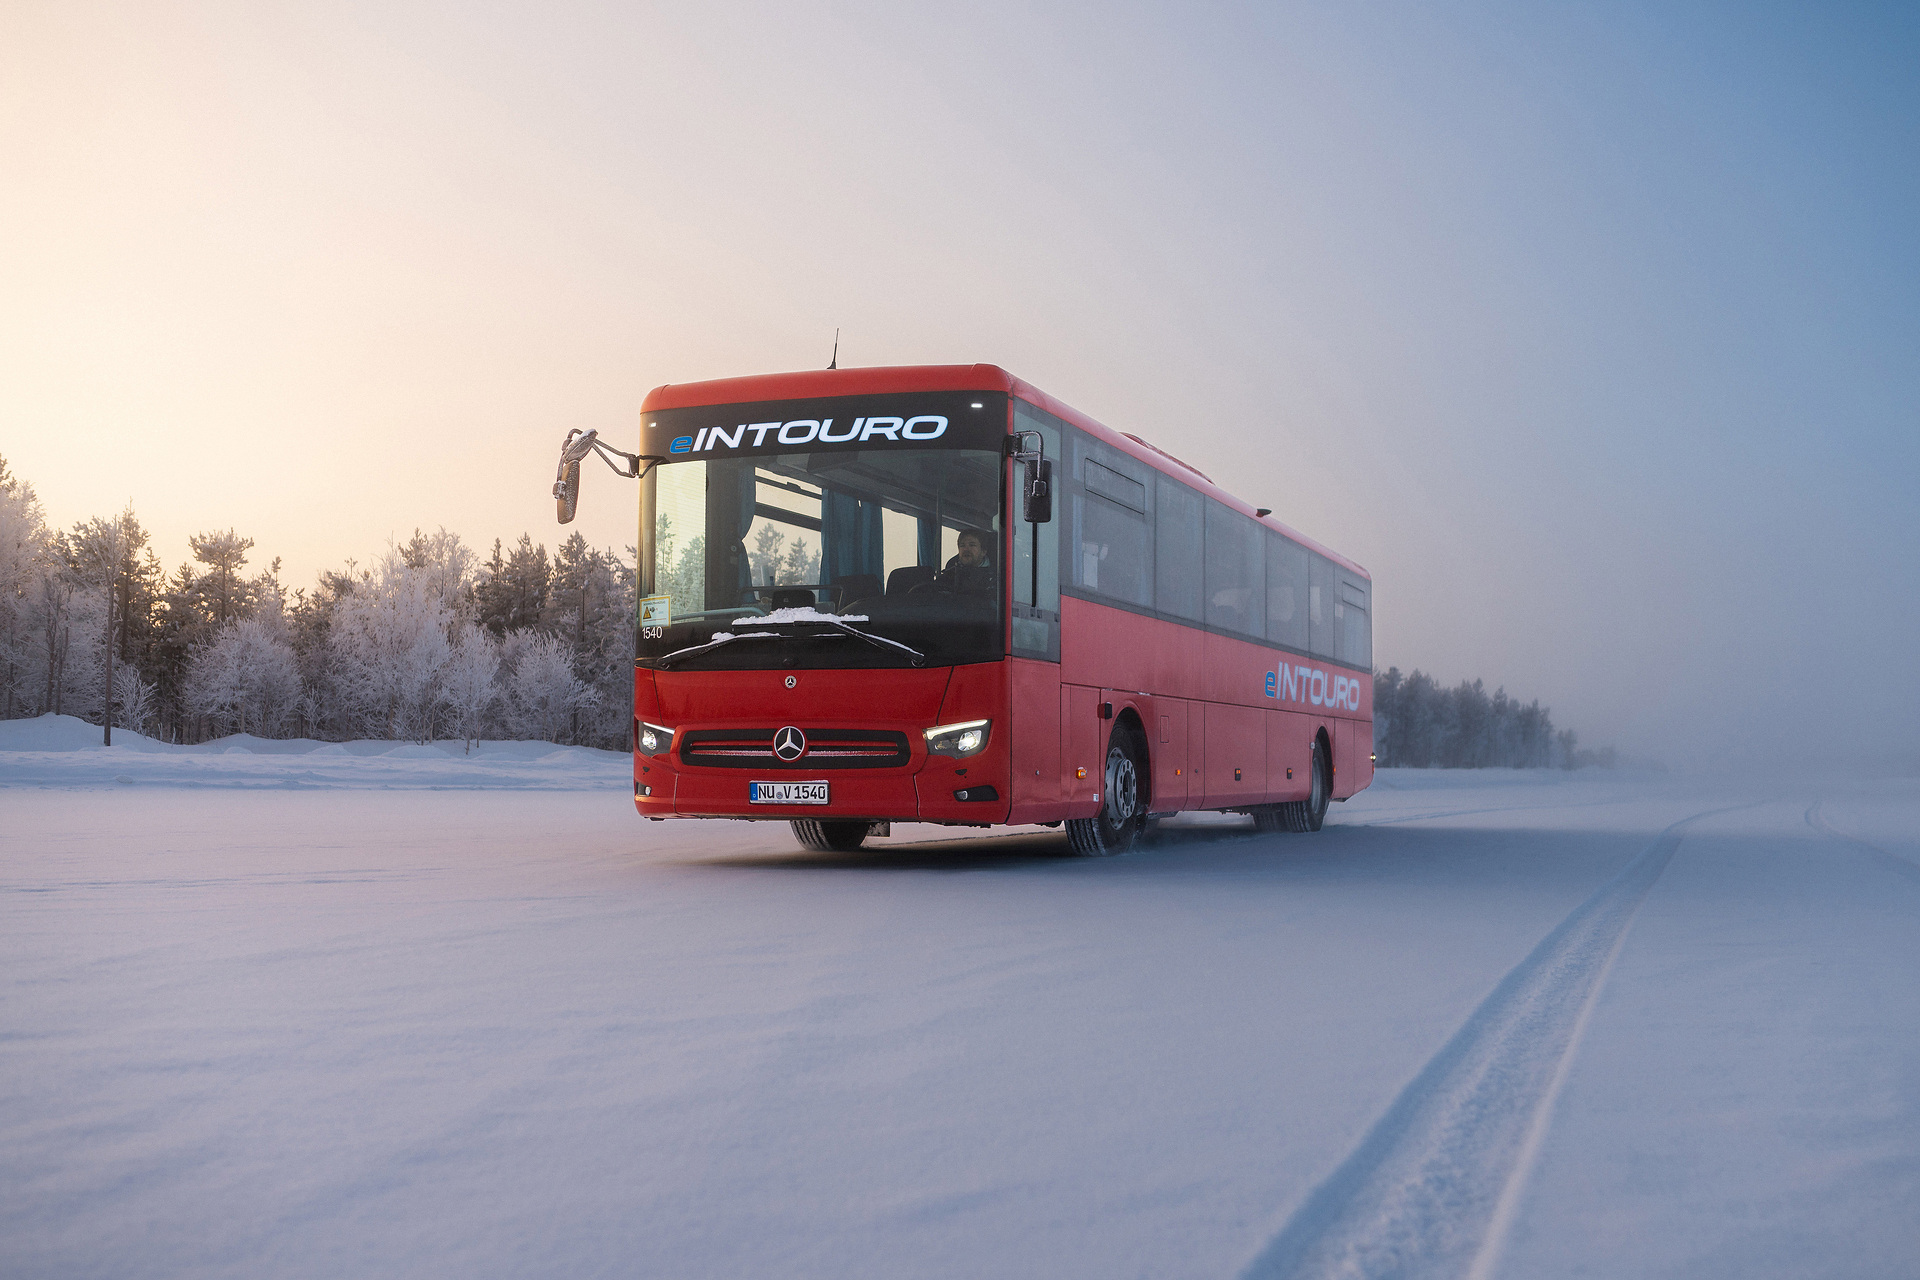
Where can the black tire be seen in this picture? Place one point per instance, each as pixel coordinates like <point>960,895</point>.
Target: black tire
<point>1269,820</point>
<point>829,837</point>
<point>1122,813</point>
<point>1308,814</point>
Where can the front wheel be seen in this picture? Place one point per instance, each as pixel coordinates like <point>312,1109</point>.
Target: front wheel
<point>829,837</point>
<point>1119,822</point>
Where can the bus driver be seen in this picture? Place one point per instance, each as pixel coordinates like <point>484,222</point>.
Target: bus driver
<point>970,572</point>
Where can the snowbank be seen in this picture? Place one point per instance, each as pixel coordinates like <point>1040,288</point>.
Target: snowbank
<point>64,751</point>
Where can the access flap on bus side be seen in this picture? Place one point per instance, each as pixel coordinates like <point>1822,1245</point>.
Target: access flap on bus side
<point>1083,749</point>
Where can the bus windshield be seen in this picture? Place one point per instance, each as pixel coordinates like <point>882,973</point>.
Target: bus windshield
<point>899,544</point>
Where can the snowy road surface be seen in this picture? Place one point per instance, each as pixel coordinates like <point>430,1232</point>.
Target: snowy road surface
<point>433,1021</point>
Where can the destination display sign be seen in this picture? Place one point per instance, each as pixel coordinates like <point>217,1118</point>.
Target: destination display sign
<point>907,420</point>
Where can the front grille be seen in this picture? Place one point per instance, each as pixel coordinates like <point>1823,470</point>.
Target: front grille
<point>826,749</point>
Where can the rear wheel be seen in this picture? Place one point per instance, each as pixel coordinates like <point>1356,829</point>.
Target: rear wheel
<point>1269,820</point>
<point>1121,817</point>
<point>829,837</point>
<point>1308,814</point>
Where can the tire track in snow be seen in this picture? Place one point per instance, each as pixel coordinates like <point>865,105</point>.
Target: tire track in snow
<point>1434,1186</point>
<point>1892,861</point>
<point>1466,813</point>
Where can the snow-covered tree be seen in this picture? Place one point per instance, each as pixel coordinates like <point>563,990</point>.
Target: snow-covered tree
<point>446,565</point>
<point>388,641</point>
<point>26,558</point>
<point>470,680</point>
<point>543,694</point>
<point>133,699</point>
<point>103,557</point>
<point>246,680</point>
<point>1417,724</point>
<point>223,554</point>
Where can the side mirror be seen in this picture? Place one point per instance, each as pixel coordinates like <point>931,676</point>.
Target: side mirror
<point>566,491</point>
<point>566,483</point>
<point>578,444</point>
<point>1037,492</point>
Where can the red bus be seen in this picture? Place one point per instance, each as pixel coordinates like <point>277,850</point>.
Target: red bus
<point>936,594</point>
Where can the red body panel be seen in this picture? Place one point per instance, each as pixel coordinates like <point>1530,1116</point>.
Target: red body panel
<point>1215,685</point>
<point>1210,707</point>
<point>1033,711</point>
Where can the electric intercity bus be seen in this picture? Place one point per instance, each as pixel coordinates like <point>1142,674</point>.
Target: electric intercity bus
<point>936,594</point>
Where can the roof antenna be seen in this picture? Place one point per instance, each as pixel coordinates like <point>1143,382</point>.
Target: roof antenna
<point>835,362</point>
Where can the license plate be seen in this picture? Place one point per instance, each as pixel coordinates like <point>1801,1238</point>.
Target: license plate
<point>787,792</point>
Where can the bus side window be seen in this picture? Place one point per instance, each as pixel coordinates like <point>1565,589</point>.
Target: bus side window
<point>1320,608</point>
<point>1179,540</point>
<point>1236,575</point>
<point>1036,551</point>
<point>1286,592</point>
<point>1111,549</point>
<point>1356,633</point>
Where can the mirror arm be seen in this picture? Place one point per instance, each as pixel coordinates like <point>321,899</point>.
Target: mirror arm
<point>633,470</point>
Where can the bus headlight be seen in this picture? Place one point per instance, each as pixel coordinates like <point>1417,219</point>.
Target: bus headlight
<point>968,738</point>
<point>652,739</point>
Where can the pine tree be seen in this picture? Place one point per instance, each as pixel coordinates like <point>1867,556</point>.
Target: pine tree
<point>223,554</point>
<point>26,558</point>
<point>511,593</point>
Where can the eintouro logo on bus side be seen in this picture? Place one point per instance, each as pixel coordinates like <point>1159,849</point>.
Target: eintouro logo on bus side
<point>928,426</point>
<point>1313,686</point>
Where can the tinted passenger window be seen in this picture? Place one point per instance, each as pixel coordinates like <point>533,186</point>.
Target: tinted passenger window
<point>1320,587</point>
<point>1236,573</point>
<point>1036,549</point>
<point>1178,578</point>
<point>1353,623</point>
<point>1286,592</point>
<point>1113,547</point>
<point>1108,483</point>
<point>1110,551</point>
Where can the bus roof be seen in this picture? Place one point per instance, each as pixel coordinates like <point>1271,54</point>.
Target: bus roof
<point>880,380</point>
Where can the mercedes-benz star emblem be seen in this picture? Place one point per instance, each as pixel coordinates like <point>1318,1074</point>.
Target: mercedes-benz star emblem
<point>789,744</point>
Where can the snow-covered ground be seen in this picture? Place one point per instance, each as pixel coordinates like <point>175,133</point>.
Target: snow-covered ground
<point>62,751</point>
<point>376,1011</point>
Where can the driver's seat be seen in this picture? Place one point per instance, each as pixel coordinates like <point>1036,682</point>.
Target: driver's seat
<point>901,581</point>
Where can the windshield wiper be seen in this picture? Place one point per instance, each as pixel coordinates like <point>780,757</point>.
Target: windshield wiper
<point>725,638</point>
<point>879,642</point>
<point>720,642</point>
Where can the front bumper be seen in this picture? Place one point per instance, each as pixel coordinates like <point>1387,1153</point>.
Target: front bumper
<point>928,788</point>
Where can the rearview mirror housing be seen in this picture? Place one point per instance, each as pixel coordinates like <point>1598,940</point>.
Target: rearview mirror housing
<point>1037,491</point>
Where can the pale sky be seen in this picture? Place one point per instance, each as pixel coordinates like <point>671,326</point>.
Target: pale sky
<point>1592,331</point>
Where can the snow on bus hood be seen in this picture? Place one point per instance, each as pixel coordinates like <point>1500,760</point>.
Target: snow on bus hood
<point>790,615</point>
<point>805,614</point>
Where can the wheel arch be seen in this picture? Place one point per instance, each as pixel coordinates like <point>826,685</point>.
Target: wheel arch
<point>1128,718</point>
